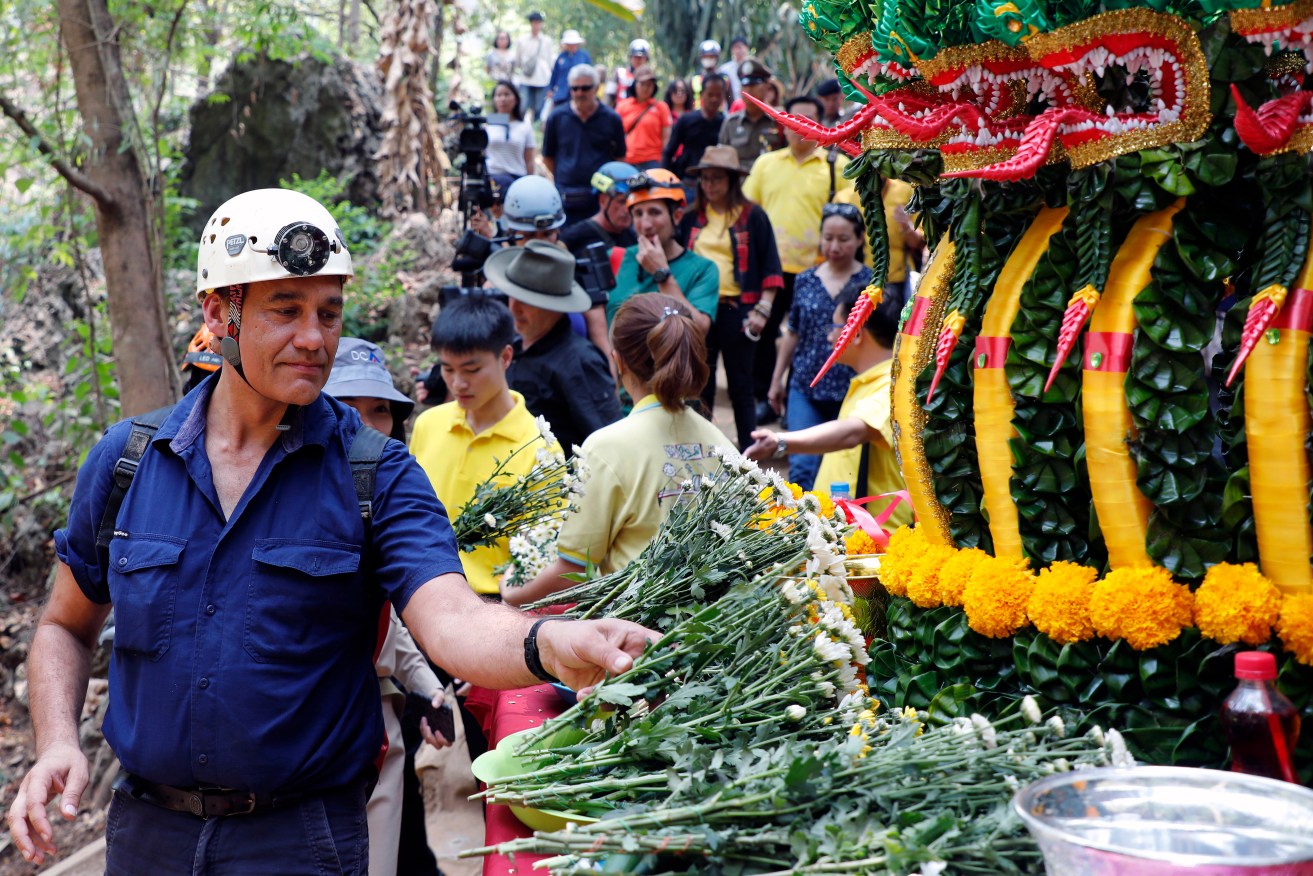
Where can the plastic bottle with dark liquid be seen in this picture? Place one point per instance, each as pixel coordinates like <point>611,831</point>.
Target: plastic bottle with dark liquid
<point>1261,725</point>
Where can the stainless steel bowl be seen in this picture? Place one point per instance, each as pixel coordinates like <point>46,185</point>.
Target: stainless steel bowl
<point>1158,821</point>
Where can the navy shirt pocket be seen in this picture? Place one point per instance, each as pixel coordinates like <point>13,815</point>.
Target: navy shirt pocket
<point>143,583</point>
<point>303,599</point>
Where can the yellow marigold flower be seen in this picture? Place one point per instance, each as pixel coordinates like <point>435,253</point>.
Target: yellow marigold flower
<point>1236,604</point>
<point>1142,605</point>
<point>955,574</point>
<point>995,598</point>
<point>906,547</point>
<point>796,491</point>
<point>1059,606</point>
<point>858,542</point>
<point>1295,627</point>
<point>927,572</point>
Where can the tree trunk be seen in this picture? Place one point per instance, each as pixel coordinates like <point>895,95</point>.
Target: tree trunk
<point>353,26</point>
<point>126,210</point>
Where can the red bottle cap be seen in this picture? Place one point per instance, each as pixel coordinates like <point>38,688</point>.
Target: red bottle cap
<point>1258,665</point>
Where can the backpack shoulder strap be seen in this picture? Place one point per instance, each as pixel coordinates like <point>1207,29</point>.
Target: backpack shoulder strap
<point>144,428</point>
<point>364,455</point>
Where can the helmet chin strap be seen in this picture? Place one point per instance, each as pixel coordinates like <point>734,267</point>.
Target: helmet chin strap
<point>232,353</point>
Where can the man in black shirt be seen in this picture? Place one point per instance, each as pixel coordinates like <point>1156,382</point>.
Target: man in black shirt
<point>560,374</point>
<point>610,226</point>
<point>694,131</point>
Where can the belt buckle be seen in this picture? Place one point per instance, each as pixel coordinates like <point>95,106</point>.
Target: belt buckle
<point>250,806</point>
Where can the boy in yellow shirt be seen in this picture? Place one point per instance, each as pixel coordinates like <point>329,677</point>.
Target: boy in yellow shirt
<point>459,444</point>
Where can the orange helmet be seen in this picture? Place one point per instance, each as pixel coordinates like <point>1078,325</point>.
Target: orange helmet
<point>656,184</point>
<point>200,355</point>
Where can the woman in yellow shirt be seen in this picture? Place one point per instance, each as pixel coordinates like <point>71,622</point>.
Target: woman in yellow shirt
<point>736,234</point>
<point>636,467</point>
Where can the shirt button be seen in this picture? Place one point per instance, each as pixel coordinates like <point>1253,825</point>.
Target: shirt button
<point>209,609</point>
<point>123,561</point>
<point>203,759</point>
<point>205,682</point>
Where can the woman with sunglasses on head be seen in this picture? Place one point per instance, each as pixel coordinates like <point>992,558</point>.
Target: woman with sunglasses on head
<point>736,234</point>
<point>637,466</point>
<point>804,345</point>
<point>510,147</point>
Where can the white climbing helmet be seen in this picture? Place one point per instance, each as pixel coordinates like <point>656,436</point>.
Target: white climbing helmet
<point>533,204</point>
<point>268,234</point>
<point>640,47</point>
<point>709,47</point>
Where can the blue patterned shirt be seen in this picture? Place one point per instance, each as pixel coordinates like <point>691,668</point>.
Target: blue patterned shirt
<point>810,318</point>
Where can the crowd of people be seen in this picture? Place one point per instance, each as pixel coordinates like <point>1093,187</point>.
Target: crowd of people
<point>652,239</point>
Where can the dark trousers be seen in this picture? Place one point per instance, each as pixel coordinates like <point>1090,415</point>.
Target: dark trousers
<point>764,364</point>
<point>324,835</point>
<point>727,340</point>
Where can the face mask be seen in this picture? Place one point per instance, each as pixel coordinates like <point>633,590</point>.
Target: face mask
<point>708,62</point>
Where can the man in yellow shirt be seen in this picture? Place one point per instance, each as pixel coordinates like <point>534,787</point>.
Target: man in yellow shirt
<point>792,185</point>
<point>460,443</point>
<point>862,436</point>
<point>904,242</point>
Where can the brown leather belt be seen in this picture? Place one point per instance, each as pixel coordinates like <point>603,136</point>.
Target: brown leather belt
<point>204,802</point>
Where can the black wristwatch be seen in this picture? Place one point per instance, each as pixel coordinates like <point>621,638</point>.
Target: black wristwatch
<point>531,657</point>
<point>661,276</point>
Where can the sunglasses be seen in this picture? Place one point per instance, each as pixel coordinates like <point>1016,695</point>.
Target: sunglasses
<point>848,211</point>
<point>582,87</point>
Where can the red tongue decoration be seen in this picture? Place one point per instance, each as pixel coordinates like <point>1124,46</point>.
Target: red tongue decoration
<point>1262,310</point>
<point>1034,148</point>
<point>932,125</point>
<point>822,134</point>
<point>1269,128</point>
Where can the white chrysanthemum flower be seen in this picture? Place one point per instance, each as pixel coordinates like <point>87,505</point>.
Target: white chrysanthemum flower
<point>490,520</point>
<point>985,730</point>
<point>544,456</point>
<point>835,587</point>
<point>1012,783</point>
<point>722,530</point>
<point>962,726</point>
<point>715,451</point>
<point>545,429</point>
<point>1030,708</point>
<point>1062,765</point>
<point>931,868</point>
<point>1057,726</point>
<point>1118,754</point>
<point>795,713</point>
<point>810,504</point>
<point>795,593</point>
<point>829,650</point>
<point>1096,734</point>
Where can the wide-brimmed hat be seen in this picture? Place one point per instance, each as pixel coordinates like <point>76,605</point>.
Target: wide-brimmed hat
<point>572,38</point>
<point>540,274</point>
<point>719,158</point>
<point>360,371</point>
<point>644,73</point>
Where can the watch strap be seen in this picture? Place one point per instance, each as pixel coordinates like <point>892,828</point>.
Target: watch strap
<point>661,276</point>
<point>532,659</point>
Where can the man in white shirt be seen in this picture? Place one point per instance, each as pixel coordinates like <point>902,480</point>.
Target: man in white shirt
<point>739,52</point>
<point>533,66</point>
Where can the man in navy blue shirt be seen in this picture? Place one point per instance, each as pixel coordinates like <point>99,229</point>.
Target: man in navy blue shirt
<point>247,591</point>
<point>572,55</point>
<point>578,139</point>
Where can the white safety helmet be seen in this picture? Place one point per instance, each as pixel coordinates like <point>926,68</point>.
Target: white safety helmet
<point>532,204</point>
<point>641,47</point>
<point>268,234</point>
<point>710,47</point>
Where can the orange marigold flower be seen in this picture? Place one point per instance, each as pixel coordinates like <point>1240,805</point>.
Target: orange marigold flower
<point>858,542</point>
<point>1142,605</point>
<point>905,548</point>
<point>1295,627</point>
<point>1059,606</point>
<point>955,574</point>
<point>923,582</point>
<point>1236,604</point>
<point>995,598</point>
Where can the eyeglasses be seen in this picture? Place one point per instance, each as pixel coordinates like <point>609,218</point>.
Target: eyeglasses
<point>754,80</point>
<point>582,87</point>
<point>847,211</point>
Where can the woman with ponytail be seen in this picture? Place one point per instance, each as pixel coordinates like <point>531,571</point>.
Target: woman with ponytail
<point>637,466</point>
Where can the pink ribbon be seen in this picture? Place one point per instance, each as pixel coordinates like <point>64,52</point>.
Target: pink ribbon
<point>873,525</point>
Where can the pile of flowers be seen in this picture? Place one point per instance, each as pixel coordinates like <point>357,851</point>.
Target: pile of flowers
<point>1143,605</point>
<point>504,505</point>
<point>738,521</point>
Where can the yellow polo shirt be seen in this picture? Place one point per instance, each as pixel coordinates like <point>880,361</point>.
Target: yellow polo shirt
<point>869,399</point>
<point>896,194</point>
<point>714,242</point>
<point>457,461</point>
<point>793,193</point>
<point>635,469</point>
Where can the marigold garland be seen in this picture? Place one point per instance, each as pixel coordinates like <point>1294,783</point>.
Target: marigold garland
<point>905,547</point>
<point>995,598</point>
<point>858,542</point>
<point>1142,605</point>
<point>1295,627</point>
<point>1059,606</point>
<point>955,574</point>
<point>923,583</point>
<point>1236,604</point>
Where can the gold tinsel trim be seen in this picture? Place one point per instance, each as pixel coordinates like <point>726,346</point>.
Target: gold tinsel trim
<point>962,57</point>
<point>1260,20</point>
<point>854,51</point>
<point>1195,113</point>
